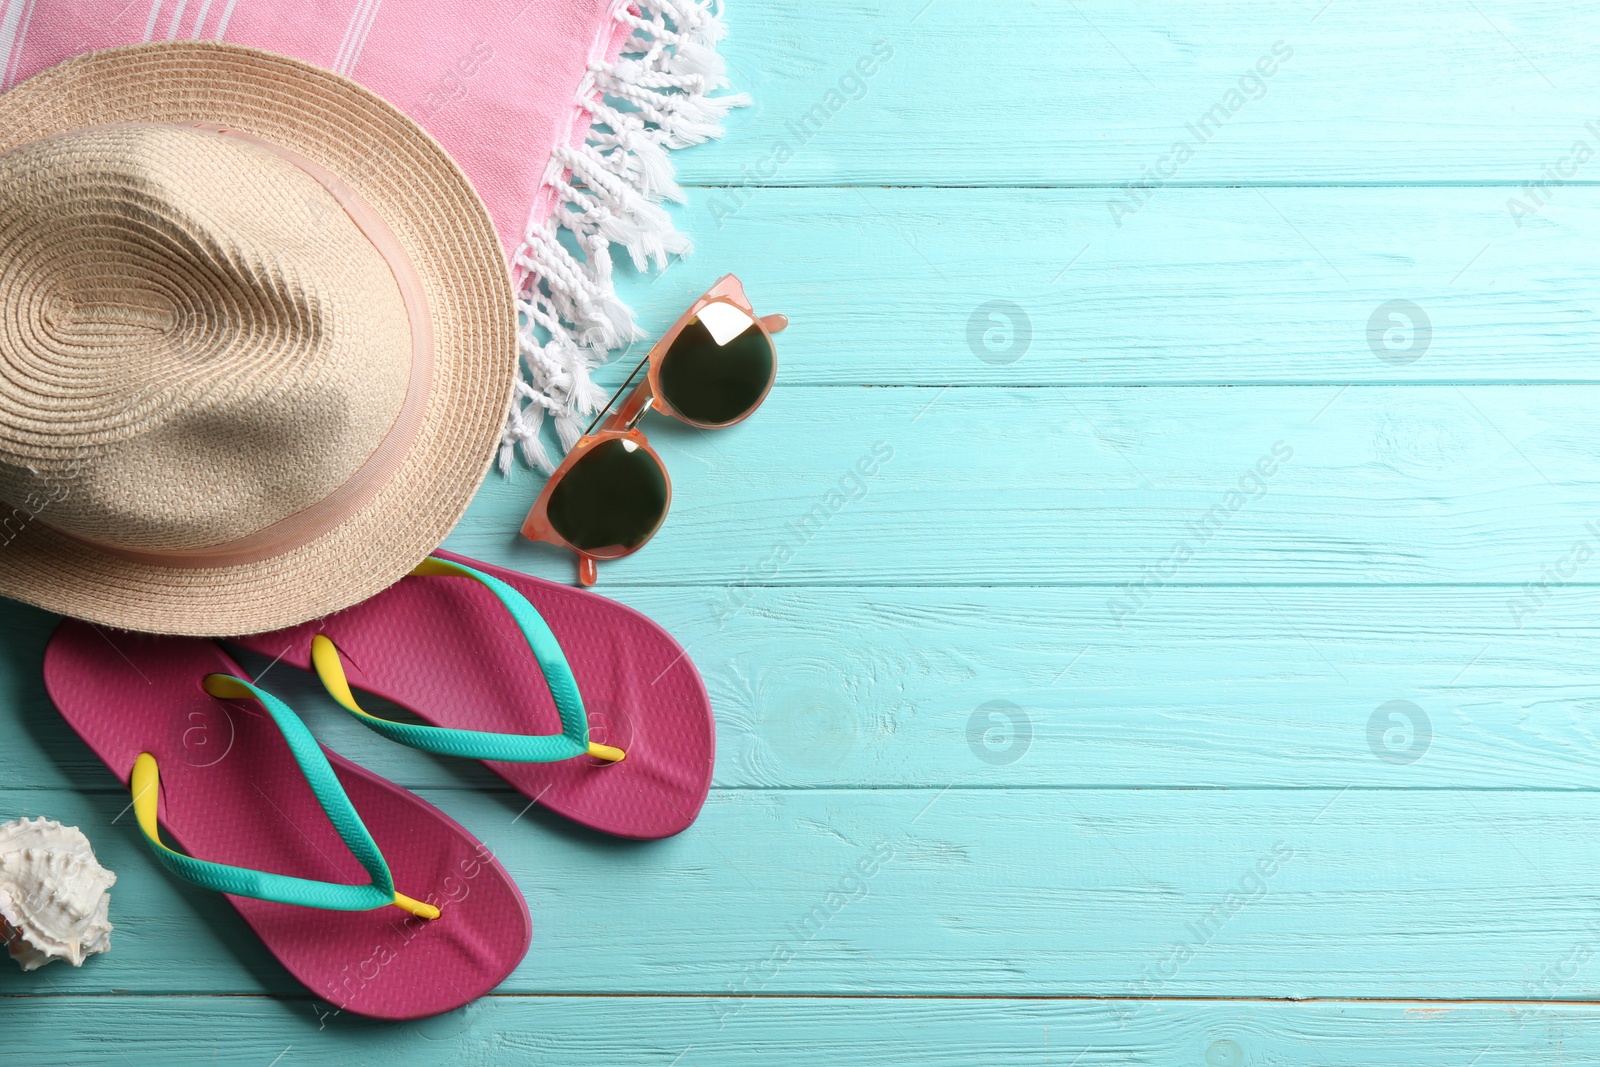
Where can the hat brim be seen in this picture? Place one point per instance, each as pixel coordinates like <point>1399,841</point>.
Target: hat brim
<point>436,215</point>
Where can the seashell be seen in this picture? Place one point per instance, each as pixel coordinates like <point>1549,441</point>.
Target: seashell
<point>53,899</point>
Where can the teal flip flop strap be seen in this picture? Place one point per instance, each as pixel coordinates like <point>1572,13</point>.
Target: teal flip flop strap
<point>573,740</point>
<point>263,885</point>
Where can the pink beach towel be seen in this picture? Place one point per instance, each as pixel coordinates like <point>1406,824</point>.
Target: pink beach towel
<point>560,111</point>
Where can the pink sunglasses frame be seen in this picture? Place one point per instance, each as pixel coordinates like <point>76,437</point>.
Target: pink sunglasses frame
<point>623,424</point>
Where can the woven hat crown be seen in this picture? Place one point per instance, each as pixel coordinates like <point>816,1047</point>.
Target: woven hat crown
<point>197,340</point>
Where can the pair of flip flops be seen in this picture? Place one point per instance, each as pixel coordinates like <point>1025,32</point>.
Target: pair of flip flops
<point>373,898</point>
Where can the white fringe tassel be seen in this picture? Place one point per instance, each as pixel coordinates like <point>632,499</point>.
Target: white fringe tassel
<point>656,96</point>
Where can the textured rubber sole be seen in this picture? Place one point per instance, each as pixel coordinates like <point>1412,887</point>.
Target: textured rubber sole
<point>447,651</point>
<point>231,792</point>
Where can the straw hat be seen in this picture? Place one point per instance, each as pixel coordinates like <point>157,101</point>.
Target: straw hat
<point>256,340</point>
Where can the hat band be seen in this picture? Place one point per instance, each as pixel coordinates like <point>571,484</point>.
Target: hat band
<point>312,522</point>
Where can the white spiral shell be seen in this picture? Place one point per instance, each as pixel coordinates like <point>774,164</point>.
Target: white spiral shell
<point>53,894</point>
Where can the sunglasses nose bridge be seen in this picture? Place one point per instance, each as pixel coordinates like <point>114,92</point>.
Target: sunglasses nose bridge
<point>775,323</point>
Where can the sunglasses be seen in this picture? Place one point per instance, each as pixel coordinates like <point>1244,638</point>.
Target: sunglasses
<point>611,493</point>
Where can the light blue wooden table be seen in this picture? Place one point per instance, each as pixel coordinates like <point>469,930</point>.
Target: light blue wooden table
<point>1212,667</point>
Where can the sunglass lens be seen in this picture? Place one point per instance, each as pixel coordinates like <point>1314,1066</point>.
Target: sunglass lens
<point>611,501</point>
<point>719,366</point>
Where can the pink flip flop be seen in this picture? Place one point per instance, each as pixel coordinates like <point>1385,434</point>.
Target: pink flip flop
<point>325,850</point>
<point>581,703</point>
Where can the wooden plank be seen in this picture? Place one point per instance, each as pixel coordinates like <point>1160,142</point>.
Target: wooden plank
<point>978,892</point>
<point>1002,687</point>
<point>1208,286</point>
<point>990,486</point>
<point>1206,687</point>
<point>582,1031</point>
<point>1098,92</point>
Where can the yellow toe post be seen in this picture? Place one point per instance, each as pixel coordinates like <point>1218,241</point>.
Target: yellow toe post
<point>415,907</point>
<point>145,781</point>
<point>226,687</point>
<point>606,752</point>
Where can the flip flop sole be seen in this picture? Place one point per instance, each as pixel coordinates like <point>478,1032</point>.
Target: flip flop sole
<point>446,650</point>
<point>232,792</point>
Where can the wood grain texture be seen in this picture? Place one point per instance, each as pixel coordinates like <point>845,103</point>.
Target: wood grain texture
<point>1106,486</point>
<point>1228,286</point>
<point>1095,91</point>
<point>976,892</point>
<point>800,1032</point>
